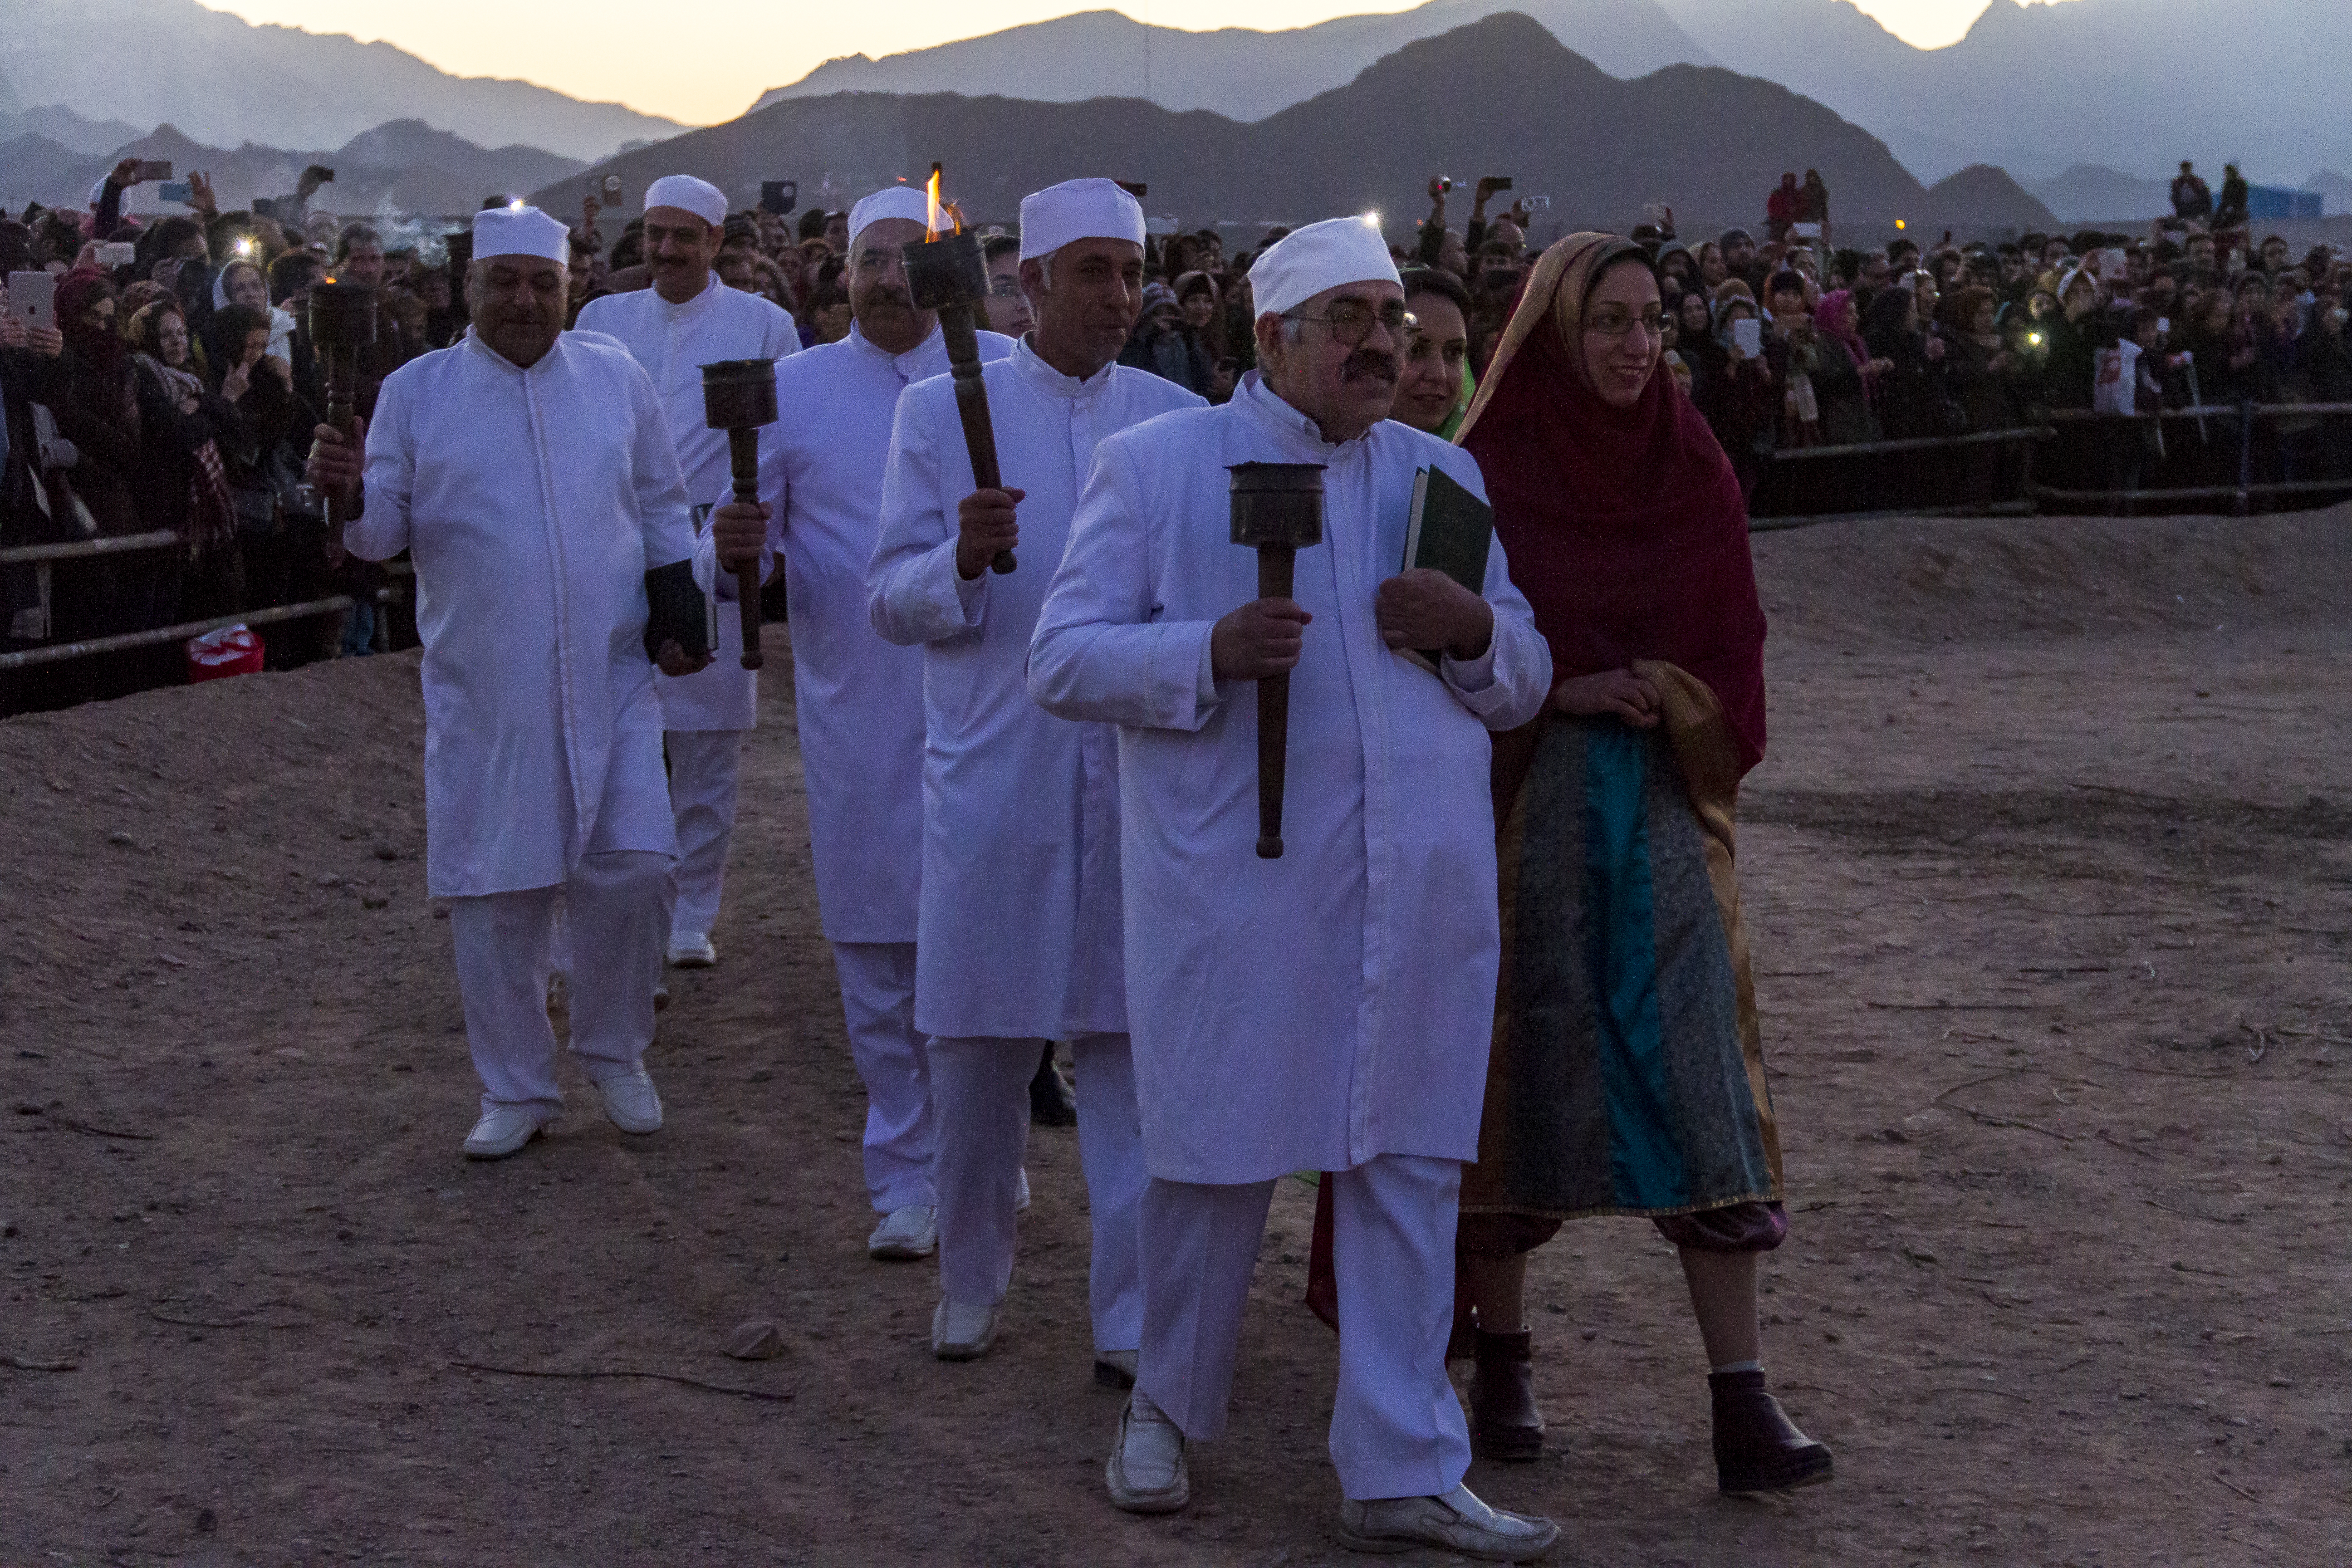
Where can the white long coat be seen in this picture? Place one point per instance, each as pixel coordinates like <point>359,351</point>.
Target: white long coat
<point>673,342</point>
<point>859,700</point>
<point>534,502</point>
<point>1315,1011</point>
<point>1019,934</point>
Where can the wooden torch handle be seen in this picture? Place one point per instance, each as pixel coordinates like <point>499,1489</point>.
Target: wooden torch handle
<point>1274,563</point>
<point>743,462</point>
<point>963,345</point>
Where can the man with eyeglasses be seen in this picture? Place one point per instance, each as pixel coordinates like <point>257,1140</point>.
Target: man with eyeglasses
<point>1330,1009</point>
<point>1007,307</point>
<point>858,700</point>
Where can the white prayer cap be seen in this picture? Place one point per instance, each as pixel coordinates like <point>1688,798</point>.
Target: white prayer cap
<point>1306,261</point>
<point>890,201</point>
<point>1078,209</point>
<point>701,198</point>
<point>520,230</point>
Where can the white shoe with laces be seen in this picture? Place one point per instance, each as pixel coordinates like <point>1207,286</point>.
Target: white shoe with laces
<point>904,1235</point>
<point>1147,1472</point>
<point>503,1129</point>
<point>630,1101</point>
<point>1455,1523</point>
<point>1021,1193</point>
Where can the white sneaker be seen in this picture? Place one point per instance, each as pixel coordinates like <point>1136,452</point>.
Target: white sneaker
<point>503,1129</point>
<point>963,1331</point>
<point>904,1235</point>
<point>690,950</point>
<point>630,1101</point>
<point>1147,1472</point>
<point>1021,1193</point>
<point>1456,1523</point>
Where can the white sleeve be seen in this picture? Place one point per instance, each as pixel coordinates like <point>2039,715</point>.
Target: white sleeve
<point>389,478</point>
<point>913,591</point>
<point>663,511</point>
<point>1098,652</point>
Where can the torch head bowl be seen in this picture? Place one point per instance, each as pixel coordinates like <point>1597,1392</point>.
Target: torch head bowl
<point>343,315</point>
<point>739,394</point>
<point>947,271</point>
<point>1277,504</point>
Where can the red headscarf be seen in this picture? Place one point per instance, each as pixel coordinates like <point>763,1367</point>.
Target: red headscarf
<point>1625,528</point>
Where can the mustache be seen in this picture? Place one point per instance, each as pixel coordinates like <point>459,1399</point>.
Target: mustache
<point>884,294</point>
<point>1369,364</point>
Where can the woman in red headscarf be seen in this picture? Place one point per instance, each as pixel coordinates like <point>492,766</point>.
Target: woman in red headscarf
<point>1627,1076</point>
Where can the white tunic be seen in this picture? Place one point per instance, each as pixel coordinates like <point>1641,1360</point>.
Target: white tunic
<point>1019,934</point>
<point>1315,1011</point>
<point>859,700</point>
<point>534,502</point>
<point>673,342</point>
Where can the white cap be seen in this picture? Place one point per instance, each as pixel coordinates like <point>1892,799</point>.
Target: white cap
<point>684,192</point>
<point>1306,261</point>
<point>1078,209</point>
<point>890,201</point>
<point>519,230</point>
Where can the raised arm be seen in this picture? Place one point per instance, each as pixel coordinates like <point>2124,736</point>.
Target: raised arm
<point>915,592</point>
<point>1099,652</point>
<point>381,530</point>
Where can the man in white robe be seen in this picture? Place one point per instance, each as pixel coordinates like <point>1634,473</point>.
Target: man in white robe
<point>858,700</point>
<point>529,473</point>
<point>685,320</point>
<point>1330,1009</point>
<point>1018,939</point>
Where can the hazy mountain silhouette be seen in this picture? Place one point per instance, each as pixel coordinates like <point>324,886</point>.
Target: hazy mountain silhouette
<point>402,166</point>
<point>1238,72</point>
<point>2136,85</point>
<point>1982,196</point>
<point>1499,96</point>
<point>224,80</point>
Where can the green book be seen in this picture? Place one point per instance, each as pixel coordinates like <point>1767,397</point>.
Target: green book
<point>1450,530</point>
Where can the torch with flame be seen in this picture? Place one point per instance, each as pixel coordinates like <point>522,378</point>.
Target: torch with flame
<point>946,273</point>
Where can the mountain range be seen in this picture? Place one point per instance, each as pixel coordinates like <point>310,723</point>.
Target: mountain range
<point>1707,140</point>
<point>402,166</point>
<point>2130,84</point>
<point>225,81</point>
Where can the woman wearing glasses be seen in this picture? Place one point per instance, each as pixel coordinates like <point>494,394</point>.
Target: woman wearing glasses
<point>1627,1076</point>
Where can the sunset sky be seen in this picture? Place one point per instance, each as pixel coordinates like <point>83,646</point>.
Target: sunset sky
<point>707,60</point>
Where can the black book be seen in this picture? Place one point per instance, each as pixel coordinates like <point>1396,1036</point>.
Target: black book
<point>1451,530</point>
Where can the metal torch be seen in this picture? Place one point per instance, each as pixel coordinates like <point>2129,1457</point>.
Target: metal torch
<point>1278,511</point>
<point>342,322</point>
<point>739,397</point>
<point>949,275</point>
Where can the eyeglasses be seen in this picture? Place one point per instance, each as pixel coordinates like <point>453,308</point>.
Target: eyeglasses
<point>1352,321</point>
<point>1616,321</point>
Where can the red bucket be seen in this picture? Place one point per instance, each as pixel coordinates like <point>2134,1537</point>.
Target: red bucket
<point>215,655</point>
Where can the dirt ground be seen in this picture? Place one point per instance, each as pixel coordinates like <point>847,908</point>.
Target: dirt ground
<point>2048,873</point>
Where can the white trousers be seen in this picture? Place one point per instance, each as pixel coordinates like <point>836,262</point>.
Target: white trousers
<point>1397,1429</point>
<point>704,766</point>
<point>615,907</point>
<point>877,1004</point>
<point>979,1093</point>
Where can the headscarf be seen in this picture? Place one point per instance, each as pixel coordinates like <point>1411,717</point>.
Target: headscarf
<point>77,291</point>
<point>1625,528</point>
<point>1834,321</point>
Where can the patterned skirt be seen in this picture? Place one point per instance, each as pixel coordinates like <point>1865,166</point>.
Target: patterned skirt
<point>1627,1075</point>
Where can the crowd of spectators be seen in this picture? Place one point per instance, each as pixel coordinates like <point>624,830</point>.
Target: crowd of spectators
<point>180,386</point>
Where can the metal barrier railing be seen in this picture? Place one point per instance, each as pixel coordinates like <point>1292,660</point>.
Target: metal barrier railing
<point>85,549</point>
<point>2240,419</point>
<point>57,653</point>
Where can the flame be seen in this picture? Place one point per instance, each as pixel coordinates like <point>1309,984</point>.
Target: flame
<point>937,217</point>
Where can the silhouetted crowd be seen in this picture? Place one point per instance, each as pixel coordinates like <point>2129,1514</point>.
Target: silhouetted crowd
<point>178,387</point>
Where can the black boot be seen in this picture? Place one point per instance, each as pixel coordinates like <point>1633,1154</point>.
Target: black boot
<point>1757,1448</point>
<point>1051,1103</point>
<point>1505,1423</point>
